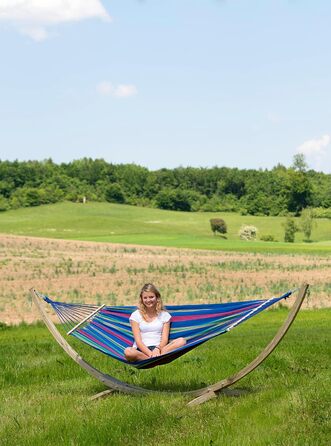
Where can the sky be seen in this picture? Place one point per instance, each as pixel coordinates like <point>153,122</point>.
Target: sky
<point>200,83</point>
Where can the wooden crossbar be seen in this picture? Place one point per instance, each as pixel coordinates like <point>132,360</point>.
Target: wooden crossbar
<point>85,319</point>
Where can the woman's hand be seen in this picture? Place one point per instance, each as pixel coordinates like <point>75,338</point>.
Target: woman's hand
<point>156,352</point>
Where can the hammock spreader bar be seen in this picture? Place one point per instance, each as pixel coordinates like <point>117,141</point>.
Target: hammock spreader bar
<point>108,329</point>
<point>85,319</point>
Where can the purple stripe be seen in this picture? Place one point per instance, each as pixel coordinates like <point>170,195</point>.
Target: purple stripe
<point>111,332</point>
<point>98,342</point>
<point>115,313</point>
<point>210,315</point>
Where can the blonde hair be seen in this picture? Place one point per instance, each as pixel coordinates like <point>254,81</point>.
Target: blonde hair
<point>149,287</point>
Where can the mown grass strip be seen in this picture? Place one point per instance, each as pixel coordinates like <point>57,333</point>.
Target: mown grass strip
<point>105,222</point>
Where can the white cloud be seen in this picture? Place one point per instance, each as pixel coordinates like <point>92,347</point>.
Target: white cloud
<point>316,151</point>
<point>34,17</point>
<point>36,33</point>
<point>314,146</point>
<point>124,91</point>
<point>106,88</point>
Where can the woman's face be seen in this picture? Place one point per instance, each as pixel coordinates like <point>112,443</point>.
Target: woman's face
<point>149,299</point>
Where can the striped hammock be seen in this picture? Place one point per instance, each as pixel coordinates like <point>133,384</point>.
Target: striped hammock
<point>108,329</point>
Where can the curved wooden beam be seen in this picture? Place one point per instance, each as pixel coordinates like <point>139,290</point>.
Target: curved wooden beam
<point>108,380</point>
<point>202,394</point>
<point>212,390</point>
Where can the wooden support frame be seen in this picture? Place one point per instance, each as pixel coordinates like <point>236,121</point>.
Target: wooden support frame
<point>212,391</point>
<point>200,395</point>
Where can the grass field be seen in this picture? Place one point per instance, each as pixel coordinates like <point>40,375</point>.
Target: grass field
<point>44,395</point>
<point>144,226</point>
<point>286,401</point>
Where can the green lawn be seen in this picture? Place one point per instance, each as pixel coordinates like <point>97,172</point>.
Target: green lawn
<point>286,401</point>
<point>128,224</point>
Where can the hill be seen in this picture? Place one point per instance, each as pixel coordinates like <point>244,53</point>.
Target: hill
<point>117,223</point>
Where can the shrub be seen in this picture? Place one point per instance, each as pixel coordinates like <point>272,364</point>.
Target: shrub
<point>321,212</point>
<point>290,229</point>
<point>218,225</point>
<point>268,238</point>
<point>35,196</point>
<point>257,204</point>
<point>176,199</point>
<point>247,232</point>
<point>197,200</point>
<point>114,193</point>
<point>141,202</point>
<point>4,203</point>
<point>226,203</point>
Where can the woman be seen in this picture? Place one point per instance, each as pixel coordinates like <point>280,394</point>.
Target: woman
<point>150,327</point>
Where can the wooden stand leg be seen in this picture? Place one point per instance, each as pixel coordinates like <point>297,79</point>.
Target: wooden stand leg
<point>211,394</point>
<point>202,398</point>
<point>101,395</point>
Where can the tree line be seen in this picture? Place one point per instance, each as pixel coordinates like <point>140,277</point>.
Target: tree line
<point>278,191</point>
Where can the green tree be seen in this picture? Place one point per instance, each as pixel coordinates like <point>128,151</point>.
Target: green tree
<point>4,204</point>
<point>299,162</point>
<point>132,179</point>
<point>258,204</point>
<point>6,188</point>
<point>174,199</point>
<point>275,192</point>
<point>87,170</point>
<point>298,191</point>
<point>290,229</point>
<point>114,193</point>
<point>232,182</point>
<point>26,196</point>
<point>307,222</point>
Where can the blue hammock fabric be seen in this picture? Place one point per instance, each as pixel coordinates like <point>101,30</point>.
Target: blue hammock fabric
<point>109,330</point>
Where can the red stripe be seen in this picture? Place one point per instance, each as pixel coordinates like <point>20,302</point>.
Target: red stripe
<point>115,313</point>
<point>210,315</point>
<point>116,335</point>
<point>98,342</point>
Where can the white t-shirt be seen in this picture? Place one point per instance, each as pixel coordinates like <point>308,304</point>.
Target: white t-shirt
<point>150,331</point>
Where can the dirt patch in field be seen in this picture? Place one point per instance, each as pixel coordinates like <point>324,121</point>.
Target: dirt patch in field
<point>96,273</point>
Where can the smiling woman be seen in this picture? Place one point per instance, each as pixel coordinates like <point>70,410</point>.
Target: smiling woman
<point>150,327</point>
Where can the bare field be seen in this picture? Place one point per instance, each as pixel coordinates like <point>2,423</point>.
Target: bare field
<point>75,271</point>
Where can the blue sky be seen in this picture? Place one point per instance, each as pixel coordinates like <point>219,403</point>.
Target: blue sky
<point>166,83</point>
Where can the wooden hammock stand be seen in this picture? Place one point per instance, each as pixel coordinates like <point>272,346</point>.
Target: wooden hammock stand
<point>199,395</point>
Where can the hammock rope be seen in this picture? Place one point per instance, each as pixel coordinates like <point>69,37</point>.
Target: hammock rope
<point>109,330</point>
